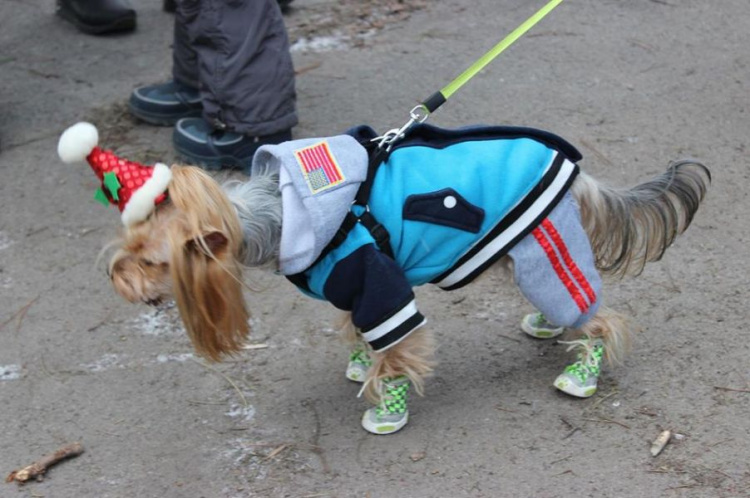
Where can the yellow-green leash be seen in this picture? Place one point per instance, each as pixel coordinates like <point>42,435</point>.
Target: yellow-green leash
<point>421,112</point>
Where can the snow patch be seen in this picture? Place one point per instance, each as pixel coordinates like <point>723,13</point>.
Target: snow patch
<point>5,241</point>
<point>246,413</point>
<point>159,322</point>
<point>320,44</point>
<point>10,372</point>
<point>181,357</point>
<point>244,454</point>
<point>104,363</point>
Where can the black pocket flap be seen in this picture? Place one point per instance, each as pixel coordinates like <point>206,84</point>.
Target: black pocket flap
<point>445,207</point>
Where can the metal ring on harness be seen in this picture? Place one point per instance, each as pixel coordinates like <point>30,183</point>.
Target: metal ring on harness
<point>418,114</point>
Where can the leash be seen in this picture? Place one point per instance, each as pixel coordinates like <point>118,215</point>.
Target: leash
<point>420,113</point>
<point>360,211</point>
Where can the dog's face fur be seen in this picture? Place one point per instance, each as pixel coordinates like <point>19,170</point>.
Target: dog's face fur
<point>140,269</point>
<point>189,249</point>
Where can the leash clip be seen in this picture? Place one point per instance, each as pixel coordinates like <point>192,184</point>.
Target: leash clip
<point>418,114</point>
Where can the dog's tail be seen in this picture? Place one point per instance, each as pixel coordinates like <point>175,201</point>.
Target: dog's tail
<point>631,227</point>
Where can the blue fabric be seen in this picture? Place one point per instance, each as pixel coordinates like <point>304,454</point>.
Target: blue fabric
<point>439,194</point>
<point>492,175</point>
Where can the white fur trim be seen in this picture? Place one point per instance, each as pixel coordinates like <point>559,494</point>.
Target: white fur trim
<point>77,142</point>
<point>141,203</point>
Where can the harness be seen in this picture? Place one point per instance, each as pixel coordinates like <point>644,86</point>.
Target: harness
<point>359,213</point>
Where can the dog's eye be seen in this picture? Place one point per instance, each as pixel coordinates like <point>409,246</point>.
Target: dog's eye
<point>147,262</point>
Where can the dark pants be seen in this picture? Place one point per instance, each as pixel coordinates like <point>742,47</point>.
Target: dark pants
<point>237,53</point>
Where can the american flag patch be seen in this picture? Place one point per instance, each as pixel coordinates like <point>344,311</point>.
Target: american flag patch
<point>319,167</point>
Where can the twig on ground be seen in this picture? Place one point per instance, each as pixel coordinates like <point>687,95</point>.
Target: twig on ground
<point>20,314</point>
<point>37,469</point>
<point>684,486</point>
<point>101,322</point>
<point>660,442</point>
<point>720,442</point>
<point>600,400</point>
<point>498,407</point>
<point>565,472</point>
<point>514,339</point>
<point>303,70</point>
<point>561,459</point>
<point>596,152</point>
<point>317,449</point>
<point>645,411</point>
<point>573,428</point>
<point>720,388</point>
<point>276,451</point>
<point>239,391</point>
<point>606,421</point>
<point>254,346</point>
<point>196,402</point>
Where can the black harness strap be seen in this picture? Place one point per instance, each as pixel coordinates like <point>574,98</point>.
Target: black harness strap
<point>377,156</point>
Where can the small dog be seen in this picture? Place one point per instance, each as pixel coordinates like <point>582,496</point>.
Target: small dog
<point>441,207</point>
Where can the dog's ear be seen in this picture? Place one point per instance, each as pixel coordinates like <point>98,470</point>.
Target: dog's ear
<point>208,244</point>
<point>207,283</point>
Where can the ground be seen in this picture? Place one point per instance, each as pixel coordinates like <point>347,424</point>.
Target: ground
<point>633,84</point>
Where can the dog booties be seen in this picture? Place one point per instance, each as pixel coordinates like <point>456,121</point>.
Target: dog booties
<point>453,203</point>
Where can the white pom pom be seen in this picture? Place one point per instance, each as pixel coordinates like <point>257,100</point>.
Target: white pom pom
<point>77,142</point>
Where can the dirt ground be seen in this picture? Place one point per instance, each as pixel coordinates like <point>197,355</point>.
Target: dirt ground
<point>634,84</point>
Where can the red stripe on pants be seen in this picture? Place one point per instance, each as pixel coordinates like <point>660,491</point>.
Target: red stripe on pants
<point>569,262</point>
<point>546,246</point>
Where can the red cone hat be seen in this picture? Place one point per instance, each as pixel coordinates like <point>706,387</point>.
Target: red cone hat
<point>135,189</point>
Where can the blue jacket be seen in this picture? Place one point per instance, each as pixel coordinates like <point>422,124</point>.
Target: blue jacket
<point>453,203</point>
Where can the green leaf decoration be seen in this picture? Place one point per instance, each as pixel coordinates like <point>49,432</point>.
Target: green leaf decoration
<point>100,196</point>
<point>112,184</point>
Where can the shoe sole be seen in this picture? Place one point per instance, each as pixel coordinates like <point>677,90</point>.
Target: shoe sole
<point>211,163</point>
<point>568,387</point>
<point>120,25</point>
<point>355,374</point>
<point>161,119</point>
<point>540,333</point>
<point>385,428</point>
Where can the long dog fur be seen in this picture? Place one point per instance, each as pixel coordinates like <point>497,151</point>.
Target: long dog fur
<point>212,232</point>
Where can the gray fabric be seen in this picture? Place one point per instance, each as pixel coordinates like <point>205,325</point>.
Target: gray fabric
<point>309,223</point>
<point>540,282</point>
<point>237,53</point>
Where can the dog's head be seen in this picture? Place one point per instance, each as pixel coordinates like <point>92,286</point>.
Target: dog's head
<point>189,249</point>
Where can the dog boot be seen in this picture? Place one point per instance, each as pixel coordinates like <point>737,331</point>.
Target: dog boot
<point>580,378</point>
<point>536,325</point>
<point>359,363</point>
<point>391,415</point>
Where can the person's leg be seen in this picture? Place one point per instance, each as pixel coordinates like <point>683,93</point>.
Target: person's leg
<point>246,83</point>
<point>245,68</point>
<point>184,57</point>
<point>166,103</point>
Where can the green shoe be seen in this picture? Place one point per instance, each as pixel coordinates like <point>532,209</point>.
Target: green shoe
<point>536,325</point>
<point>391,415</point>
<point>580,378</point>
<point>359,363</point>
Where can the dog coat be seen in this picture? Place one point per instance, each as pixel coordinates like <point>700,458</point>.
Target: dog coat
<point>453,203</point>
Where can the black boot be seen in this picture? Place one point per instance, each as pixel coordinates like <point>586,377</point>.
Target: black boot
<point>98,17</point>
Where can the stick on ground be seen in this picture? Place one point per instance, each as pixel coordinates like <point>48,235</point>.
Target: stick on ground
<point>37,469</point>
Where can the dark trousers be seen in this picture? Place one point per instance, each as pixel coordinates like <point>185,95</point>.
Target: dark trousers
<point>237,53</point>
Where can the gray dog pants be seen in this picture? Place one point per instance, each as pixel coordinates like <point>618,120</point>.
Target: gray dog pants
<point>237,53</point>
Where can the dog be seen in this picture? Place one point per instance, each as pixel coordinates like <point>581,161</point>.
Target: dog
<point>434,209</point>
